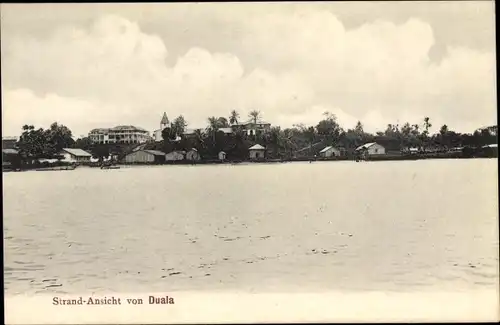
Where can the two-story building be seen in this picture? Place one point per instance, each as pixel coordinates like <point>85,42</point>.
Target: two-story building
<point>252,127</point>
<point>119,134</point>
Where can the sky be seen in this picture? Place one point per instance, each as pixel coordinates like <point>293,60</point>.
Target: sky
<point>102,65</point>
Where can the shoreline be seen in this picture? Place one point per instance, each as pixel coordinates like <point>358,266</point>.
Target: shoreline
<point>248,162</point>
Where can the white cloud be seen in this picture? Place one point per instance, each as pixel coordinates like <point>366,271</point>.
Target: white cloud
<point>22,107</point>
<point>379,73</point>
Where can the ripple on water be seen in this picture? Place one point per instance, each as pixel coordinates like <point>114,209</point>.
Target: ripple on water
<point>197,228</point>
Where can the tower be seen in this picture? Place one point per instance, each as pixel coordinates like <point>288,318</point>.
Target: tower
<point>164,121</point>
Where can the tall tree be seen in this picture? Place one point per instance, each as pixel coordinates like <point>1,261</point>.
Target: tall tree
<point>427,124</point>
<point>33,143</point>
<point>358,129</point>
<point>254,115</point>
<point>406,134</point>
<point>425,134</point>
<point>223,123</point>
<point>199,139</point>
<point>179,125</point>
<point>444,129</point>
<point>213,127</point>
<point>58,136</point>
<point>83,143</point>
<point>328,127</point>
<point>234,117</point>
<point>311,136</point>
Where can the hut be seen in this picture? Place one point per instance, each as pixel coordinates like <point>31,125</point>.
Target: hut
<point>193,154</point>
<point>222,156</point>
<point>371,149</point>
<point>145,156</point>
<point>329,151</point>
<point>75,155</point>
<point>257,152</point>
<point>490,150</point>
<point>175,156</point>
<point>10,159</point>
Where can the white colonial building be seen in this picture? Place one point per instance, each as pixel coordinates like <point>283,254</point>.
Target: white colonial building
<point>252,128</point>
<point>119,134</point>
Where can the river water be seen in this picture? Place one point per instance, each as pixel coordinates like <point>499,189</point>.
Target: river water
<point>293,227</point>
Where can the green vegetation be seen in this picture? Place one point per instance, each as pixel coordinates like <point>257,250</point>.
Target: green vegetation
<point>299,141</point>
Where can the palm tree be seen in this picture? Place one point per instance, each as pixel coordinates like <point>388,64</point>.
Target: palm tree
<point>274,137</point>
<point>287,139</point>
<point>359,128</point>
<point>310,134</point>
<point>427,123</point>
<point>444,129</point>
<point>254,115</point>
<point>233,118</point>
<point>213,126</point>
<point>425,134</point>
<point>199,138</point>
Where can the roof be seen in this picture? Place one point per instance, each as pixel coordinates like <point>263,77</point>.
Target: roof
<point>77,152</point>
<point>250,121</point>
<point>491,146</point>
<point>155,152</point>
<point>177,151</point>
<point>127,127</point>
<point>48,160</point>
<point>193,149</point>
<point>326,149</point>
<point>10,151</point>
<point>9,138</point>
<point>257,147</point>
<point>99,130</point>
<point>309,147</point>
<point>366,145</point>
<point>226,130</point>
<point>222,152</point>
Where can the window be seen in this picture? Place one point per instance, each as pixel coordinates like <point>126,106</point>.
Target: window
<point>376,150</point>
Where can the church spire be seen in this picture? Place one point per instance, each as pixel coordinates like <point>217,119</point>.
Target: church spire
<point>164,119</point>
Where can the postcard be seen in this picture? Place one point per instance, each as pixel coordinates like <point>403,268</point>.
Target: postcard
<point>260,162</point>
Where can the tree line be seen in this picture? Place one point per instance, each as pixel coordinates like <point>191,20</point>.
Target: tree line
<point>300,139</point>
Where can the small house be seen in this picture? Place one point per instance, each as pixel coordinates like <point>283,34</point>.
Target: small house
<point>193,154</point>
<point>371,149</point>
<point>257,152</point>
<point>9,142</point>
<point>222,156</point>
<point>490,150</point>
<point>10,158</point>
<point>145,156</point>
<point>329,151</point>
<point>75,155</point>
<point>175,156</point>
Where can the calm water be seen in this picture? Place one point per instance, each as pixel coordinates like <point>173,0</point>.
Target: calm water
<point>402,226</point>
